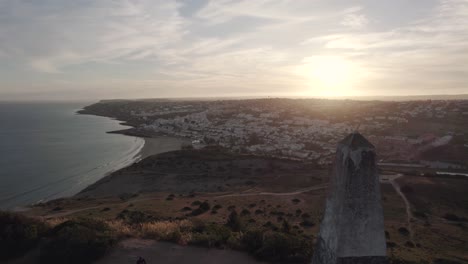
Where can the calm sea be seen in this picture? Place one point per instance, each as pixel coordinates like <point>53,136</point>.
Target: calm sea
<point>48,151</point>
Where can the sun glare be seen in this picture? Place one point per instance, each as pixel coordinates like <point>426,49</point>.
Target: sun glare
<point>328,75</point>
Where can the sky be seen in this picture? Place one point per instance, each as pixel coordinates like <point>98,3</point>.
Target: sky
<point>87,49</point>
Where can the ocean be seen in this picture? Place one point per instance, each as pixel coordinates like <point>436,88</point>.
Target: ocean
<point>47,151</point>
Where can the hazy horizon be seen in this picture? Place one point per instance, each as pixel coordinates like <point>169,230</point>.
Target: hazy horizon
<point>396,98</point>
<point>88,51</point>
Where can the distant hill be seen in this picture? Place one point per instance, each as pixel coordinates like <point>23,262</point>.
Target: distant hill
<point>365,98</point>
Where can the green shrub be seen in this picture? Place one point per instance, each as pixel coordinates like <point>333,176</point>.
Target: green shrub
<point>296,201</point>
<point>403,231</point>
<point>212,236</point>
<point>234,222</point>
<point>18,234</point>
<point>186,209</point>
<point>77,241</point>
<point>135,217</point>
<point>203,208</point>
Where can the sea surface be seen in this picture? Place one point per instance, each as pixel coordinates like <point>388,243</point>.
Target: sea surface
<point>48,151</point>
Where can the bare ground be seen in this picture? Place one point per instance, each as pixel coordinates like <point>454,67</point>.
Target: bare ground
<point>152,251</point>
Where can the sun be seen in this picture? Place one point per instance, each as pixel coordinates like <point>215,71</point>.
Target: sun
<point>328,75</point>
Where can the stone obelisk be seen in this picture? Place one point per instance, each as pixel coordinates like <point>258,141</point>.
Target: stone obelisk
<point>352,229</point>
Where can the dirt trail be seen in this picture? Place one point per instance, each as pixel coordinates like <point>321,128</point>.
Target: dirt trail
<point>409,213</point>
<point>312,188</point>
<point>152,251</point>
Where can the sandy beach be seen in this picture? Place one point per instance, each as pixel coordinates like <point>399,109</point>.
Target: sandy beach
<point>161,144</point>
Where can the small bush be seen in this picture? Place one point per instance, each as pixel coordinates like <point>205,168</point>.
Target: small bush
<point>203,208</point>
<point>307,223</point>
<point>18,234</point>
<point>234,222</point>
<point>186,209</point>
<point>245,212</point>
<point>196,203</point>
<point>403,231</point>
<point>286,227</point>
<point>77,241</point>
<point>135,217</point>
<point>212,236</point>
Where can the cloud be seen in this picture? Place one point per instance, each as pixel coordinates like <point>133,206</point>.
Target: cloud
<point>63,34</point>
<point>428,55</point>
<point>355,20</point>
<point>141,48</point>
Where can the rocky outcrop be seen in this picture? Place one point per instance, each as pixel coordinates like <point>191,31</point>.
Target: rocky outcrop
<point>352,230</point>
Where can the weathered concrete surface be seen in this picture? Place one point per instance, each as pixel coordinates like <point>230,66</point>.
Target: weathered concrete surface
<point>352,230</point>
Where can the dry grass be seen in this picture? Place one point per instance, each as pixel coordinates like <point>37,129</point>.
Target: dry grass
<point>177,231</point>
<point>121,229</point>
<point>55,221</point>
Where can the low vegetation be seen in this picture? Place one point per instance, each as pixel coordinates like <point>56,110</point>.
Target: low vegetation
<point>86,240</point>
<point>77,241</point>
<point>19,234</point>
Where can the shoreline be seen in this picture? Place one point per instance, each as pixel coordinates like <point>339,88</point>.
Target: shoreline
<point>160,144</point>
<point>151,146</point>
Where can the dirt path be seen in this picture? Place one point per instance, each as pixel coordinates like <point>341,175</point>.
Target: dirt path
<point>409,213</point>
<point>312,188</point>
<point>161,252</point>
